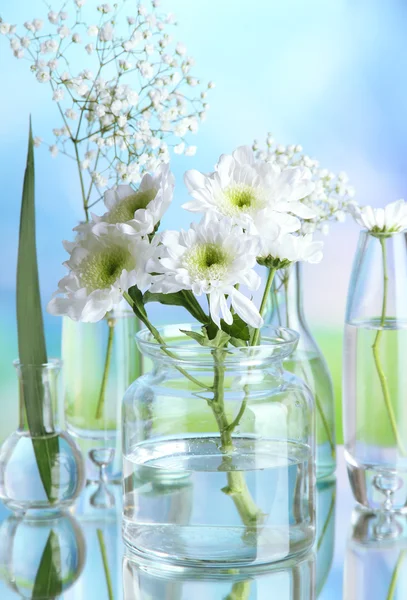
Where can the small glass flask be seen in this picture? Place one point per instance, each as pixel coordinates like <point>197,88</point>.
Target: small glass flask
<point>40,465</point>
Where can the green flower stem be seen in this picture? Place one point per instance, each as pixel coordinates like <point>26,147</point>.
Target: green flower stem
<point>99,410</point>
<point>269,282</point>
<point>395,576</point>
<point>106,569</point>
<point>240,590</point>
<point>376,355</point>
<point>78,161</point>
<point>287,314</point>
<point>237,488</point>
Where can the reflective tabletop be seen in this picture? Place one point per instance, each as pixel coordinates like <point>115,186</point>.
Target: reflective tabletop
<point>80,556</point>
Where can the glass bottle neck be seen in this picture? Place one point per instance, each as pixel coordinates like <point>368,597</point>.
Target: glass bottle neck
<point>285,304</point>
<point>38,399</point>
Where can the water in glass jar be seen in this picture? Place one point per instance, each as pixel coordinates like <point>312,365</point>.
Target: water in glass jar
<point>178,505</point>
<point>375,391</point>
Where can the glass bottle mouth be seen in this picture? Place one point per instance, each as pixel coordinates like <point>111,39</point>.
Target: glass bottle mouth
<point>54,364</point>
<point>275,344</point>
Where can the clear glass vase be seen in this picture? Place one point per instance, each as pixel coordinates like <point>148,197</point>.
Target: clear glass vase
<point>218,453</point>
<point>40,468</point>
<point>375,373</point>
<point>307,361</point>
<point>41,559</point>
<point>100,361</point>
<point>289,580</point>
<point>325,530</point>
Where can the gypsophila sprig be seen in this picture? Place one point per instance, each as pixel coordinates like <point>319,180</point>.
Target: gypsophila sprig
<point>133,98</point>
<point>332,197</point>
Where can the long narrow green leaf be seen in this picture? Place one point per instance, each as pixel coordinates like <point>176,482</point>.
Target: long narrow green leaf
<point>31,338</point>
<point>48,580</point>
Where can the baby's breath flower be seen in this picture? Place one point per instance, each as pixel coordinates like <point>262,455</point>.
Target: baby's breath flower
<point>37,141</point>
<point>53,17</point>
<point>93,30</point>
<point>89,48</point>
<point>332,195</point>
<point>43,76</point>
<point>54,150</point>
<point>71,114</point>
<point>4,28</point>
<point>64,31</point>
<point>76,38</point>
<point>38,24</point>
<point>58,95</point>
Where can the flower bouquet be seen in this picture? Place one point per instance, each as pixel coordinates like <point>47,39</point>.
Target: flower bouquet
<point>245,404</point>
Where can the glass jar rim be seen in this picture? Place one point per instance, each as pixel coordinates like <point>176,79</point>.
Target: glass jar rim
<point>275,344</point>
<point>53,363</point>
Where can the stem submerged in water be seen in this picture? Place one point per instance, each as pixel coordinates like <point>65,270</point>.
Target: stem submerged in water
<point>99,410</point>
<point>376,355</point>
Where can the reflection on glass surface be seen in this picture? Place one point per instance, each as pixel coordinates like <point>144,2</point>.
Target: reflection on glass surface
<point>325,538</point>
<point>290,580</point>
<point>41,558</point>
<point>101,578</point>
<point>376,557</point>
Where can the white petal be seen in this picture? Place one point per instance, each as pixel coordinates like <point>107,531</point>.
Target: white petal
<point>246,309</point>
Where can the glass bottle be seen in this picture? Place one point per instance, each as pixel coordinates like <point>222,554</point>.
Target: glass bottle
<point>375,373</point>
<point>218,453</point>
<point>100,361</point>
<point>40,469</point>
<point>307,362</point>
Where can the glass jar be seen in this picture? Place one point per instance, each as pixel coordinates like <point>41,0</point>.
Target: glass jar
<point>218,451</point>
<point>40,468</point>
<point>289,580</point>
<point>100,362</point>
<point>307,361</point>
<point>375,373</point>
<point>41,559</point>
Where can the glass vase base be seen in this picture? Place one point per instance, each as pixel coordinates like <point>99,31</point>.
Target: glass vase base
<point>223,547</point>
<point>377,487</point>
<point>22,488</point>
<point>101,451</point>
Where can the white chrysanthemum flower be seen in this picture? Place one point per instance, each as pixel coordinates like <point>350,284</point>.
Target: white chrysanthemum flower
<point>248,191</point>
<point>211,258</point>
<point>390,219</point>
<point>100,267</point>
<point>139,211</point>
<point>289,248</point>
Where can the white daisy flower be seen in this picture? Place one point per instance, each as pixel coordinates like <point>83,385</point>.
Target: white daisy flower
<point>211,258</point>
<point>248,191</point>
<point>138,212</point>
<point>288,248</point>
<point>390,219</point>
<point>100,269</point>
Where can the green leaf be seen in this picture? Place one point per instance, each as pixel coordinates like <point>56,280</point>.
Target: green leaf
<point>184,298</point>
<point>138,303</point>
<point>48,580</point>
<point>31,338</point>
<point>239,330</point>
<point>219,341</point>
